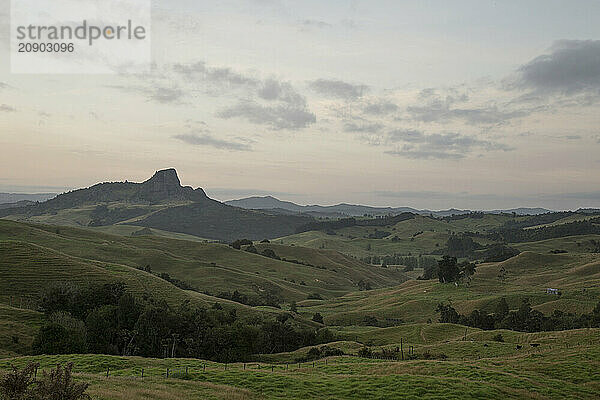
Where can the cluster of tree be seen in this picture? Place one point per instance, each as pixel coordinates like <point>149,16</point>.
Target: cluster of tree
<point>377,234</point>
<point>264,298</point>
<point>174,281</point>
<point>588,227</point>
<point>107,320</point>
<point>101,215</point>
<point>456,217</point>
<point>57,384</point>
<point>499,252</point>
<point>364,285</point>
<point>315,353</point>
<point>333,225</point>
<point>534,220</point>
<point>448,270</point>
<point>396,259</point>
<point>525,319</point>
<point>461,246</point>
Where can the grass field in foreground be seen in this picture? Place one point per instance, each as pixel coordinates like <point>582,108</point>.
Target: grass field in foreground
<point>566,365</point>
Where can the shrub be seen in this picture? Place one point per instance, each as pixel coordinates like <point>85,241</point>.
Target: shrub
<point>16,385</point>
<point>318,318</point>
<point>59,385</point>
<point>314,296</point>
<point>498,338</point>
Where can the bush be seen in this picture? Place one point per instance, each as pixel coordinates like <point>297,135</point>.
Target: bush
<point>318,318</point>
<point>59,385</point>
<point>314,296</point>
<point>498,338</point>
<point>16,385</point>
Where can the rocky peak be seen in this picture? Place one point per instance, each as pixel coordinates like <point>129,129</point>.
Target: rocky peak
<point>165,185</point>
<point>164,179</point>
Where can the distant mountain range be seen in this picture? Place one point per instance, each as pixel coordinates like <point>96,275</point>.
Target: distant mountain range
<point>159,202</point>
<point>8,198</point>
<point>272,204</point>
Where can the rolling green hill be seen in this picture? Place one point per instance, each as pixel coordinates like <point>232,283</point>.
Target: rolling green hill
<point>209,267</point>
<point>525,276</point>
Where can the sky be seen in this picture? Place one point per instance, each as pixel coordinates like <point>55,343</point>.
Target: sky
<point>430,104</point>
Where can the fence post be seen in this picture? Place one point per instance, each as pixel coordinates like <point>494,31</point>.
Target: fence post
<point>186,371</point>
<point>167,373</point>
<point>244,366</point>
<point>272,368</point>
<point>107,371</point>
<point>142,373</point>
<point>203,367</point>
<point>401,349</point>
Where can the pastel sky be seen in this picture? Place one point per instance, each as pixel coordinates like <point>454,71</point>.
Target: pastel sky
<point>431,104</point>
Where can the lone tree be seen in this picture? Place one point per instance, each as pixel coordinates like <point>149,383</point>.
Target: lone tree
<point>318,318</point>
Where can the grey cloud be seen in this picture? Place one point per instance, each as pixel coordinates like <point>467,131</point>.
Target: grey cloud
<point>272,89</point>
<point>160,94</point>
<point>4,85</point>
<point>166,95</point>
<point>424,154</point>
<point>573,66</point>
<point>199,71</point>
<point>339,89</point>
<point>362,128</point>
<point>313,23</point>
<point>269,89</point>
<point>211,141</point>
<point>277,117</point>
<point>380,108</point>
<point>419,145</point>
<point>7,108</point>
<point>437,108</point>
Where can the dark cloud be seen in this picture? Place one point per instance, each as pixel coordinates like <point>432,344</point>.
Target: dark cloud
<point>573,66</point>
<point>363,128</point>
<point>418,145</point>
<point>380,108</point>
<point>7,108</point>
<point>4,86</point>
<point>339,89</point>
<point>204,139</point>
<point>272,90</point>
<point>277,117</point>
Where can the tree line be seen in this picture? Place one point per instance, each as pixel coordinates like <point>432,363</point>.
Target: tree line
<point>524,319</point>
<point>105,319</point>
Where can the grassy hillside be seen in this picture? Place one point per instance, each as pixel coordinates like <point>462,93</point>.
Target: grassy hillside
<point>418,235</point>
<point>565,365</point>
<point>17,329</point>
<point>27,268</point>
<point>208,266</point>
<point>525,276</point>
